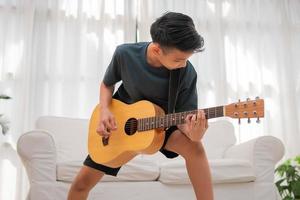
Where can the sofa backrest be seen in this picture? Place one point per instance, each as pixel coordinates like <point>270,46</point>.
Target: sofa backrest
<point>218,137</point>
<point>71,136</point>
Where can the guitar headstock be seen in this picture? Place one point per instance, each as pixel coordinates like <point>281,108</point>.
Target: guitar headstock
<point>246,109</point>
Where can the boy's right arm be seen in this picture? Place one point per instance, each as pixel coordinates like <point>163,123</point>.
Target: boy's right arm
<point>106,121</point>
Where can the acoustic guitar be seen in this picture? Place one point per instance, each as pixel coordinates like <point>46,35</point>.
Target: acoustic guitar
<point>141,126</point>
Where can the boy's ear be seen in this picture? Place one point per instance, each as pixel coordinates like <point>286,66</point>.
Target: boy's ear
<point>156,49</point>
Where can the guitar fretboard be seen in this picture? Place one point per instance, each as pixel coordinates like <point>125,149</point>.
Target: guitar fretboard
<point>174,119</point>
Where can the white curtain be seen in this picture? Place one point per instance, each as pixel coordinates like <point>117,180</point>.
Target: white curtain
<point>53,54</point>
<point>252,49</point>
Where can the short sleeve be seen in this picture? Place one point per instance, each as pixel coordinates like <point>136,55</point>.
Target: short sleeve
<point>113,71</point>
<point>187,97</point>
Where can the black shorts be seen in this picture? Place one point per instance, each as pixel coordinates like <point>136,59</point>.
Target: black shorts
<point>114,171</point>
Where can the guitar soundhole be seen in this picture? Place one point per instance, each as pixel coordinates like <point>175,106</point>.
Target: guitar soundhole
<point>131,126</point>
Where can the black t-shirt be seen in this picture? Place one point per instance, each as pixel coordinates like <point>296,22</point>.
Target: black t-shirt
<point>140,81</point>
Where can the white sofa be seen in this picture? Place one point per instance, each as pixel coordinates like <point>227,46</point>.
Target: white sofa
<point>54,152</point>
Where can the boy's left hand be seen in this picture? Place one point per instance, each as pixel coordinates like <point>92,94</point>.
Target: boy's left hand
<point>194,126</point>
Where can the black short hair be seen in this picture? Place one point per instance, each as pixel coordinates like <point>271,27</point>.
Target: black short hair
<point>176,30</point>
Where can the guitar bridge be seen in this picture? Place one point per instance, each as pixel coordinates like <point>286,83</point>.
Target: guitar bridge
<point>105,141</point>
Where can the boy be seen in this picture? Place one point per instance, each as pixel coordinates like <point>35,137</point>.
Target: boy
<point>144,69</point>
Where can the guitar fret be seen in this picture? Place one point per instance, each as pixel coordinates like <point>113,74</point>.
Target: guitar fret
<point>158,122</point>
<point>173,120</point>
<point>211,112</point>
<point>167,120</point>
<point>139,124</point>
<point>182,117</point>
<point>147,124</point>
<point>153,122</point>
<point>161,122</point>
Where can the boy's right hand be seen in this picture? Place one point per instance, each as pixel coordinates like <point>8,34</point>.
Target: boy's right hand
<point>106,123</point>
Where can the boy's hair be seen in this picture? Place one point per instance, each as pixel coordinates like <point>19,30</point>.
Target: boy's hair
<point>176,30</point>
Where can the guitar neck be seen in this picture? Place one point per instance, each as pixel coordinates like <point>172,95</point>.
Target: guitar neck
<point>174,119</point>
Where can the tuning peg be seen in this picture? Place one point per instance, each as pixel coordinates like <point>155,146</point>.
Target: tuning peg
<point>257,97</point>
<point>258,120</point>
<point>248,99</point>
<point>249,121</point>
<point>239,120</point>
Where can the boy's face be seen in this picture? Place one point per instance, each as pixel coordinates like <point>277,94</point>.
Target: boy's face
<point>173,58</point>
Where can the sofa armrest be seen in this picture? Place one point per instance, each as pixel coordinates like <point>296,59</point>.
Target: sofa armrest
<point>263,152</point>
<point>38,154</point>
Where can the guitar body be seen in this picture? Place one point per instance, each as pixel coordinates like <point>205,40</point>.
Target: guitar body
<point>121,147</point>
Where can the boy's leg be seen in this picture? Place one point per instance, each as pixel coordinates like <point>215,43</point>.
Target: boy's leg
<point>196,163</point>
<point>85,180</point>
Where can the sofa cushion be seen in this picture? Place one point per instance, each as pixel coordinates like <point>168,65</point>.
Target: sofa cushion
<point>222,170</point>
<point>138,169</point>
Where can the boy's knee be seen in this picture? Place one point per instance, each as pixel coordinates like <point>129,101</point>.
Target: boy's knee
<point>185,147</point>
<point>86,179</point>
<point>79,186</point>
